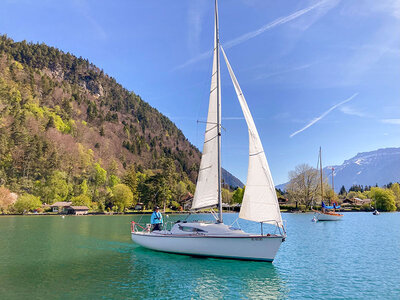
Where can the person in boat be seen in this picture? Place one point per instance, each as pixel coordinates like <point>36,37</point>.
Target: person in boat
<point>323,207</point>
<point>156,219</point>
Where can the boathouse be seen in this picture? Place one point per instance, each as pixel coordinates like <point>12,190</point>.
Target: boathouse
<point>77,210</point>
<point>60,207</point>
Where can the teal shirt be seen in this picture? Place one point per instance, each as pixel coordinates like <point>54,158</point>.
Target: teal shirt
<point>156,218</point>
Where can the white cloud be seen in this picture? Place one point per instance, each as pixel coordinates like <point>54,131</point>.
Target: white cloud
<point>322,116</point>
<point>391,121</point>
<point>348,110</point>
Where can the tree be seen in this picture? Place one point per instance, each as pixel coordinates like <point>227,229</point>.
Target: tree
<point>343,191</point>
<point>131,180</point>
<point>6,199</point>
<point>395,188</point>
<point>238,194</point>
<point>384,199</point>
<point>122,197</point>
<point>99,177</point>
<point>304,185</point>
<point>180,190</point>
<point>226,196</point>
<point>56,188</point>
<point>84,187</point>
<point>113,180</point>
<point>27,202</point>
<point>81,200</point>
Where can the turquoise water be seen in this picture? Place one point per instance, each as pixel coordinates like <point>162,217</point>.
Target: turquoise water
<point>92,257</point>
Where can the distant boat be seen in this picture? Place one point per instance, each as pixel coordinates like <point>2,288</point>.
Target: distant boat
<point>376,212</point>
<point>260,203</point>
<point>327,213</point>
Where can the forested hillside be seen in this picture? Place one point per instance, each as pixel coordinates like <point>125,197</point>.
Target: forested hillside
<point>70,132</point>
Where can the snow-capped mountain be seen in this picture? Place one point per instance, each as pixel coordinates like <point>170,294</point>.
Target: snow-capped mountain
<point>367,168</point>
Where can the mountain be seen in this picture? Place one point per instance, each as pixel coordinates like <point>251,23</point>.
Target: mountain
<point>367,168</point>
<point>379,167</point>
<point>65,123</point>
<point>231,180</point>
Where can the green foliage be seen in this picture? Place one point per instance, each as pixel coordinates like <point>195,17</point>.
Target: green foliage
<point>81,200</point>
<point>56,188</point>
<point>99,175</point>
<point>122,197</point>
<point>131,181</point>
<point>353,194</point>
<point>175,205</point>
<point>384,199</point>
<point>113,180</point>
<point>26,203</point>
<point>49,125</point>
<point>395,188</point>
<point>342,191</point>
<point>84,187</point>
<point>238,194</point>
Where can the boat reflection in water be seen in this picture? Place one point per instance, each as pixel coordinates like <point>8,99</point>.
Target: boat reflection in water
<point>180,276</point>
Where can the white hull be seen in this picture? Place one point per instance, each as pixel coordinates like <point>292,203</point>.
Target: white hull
<point>329,217</point>
<point>235,244</point>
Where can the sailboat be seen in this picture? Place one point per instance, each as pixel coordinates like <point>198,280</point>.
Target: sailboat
<point>327,213</point>
<point>260,203</point>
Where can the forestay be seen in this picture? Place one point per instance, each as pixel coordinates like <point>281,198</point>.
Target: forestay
<point>206,193</point>
<point>260,203</point>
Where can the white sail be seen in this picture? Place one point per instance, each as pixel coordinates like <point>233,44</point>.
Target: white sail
<point>260,203</point>
<point>207,188</point>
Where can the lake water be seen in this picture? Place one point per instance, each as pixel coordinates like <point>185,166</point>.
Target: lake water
<point>93,257</point>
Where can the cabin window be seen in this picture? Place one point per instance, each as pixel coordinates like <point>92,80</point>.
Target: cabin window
<point>190,229</point>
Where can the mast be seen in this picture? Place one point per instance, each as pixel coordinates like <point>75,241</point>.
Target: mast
<point>218,115</point>
<point>320,167</point>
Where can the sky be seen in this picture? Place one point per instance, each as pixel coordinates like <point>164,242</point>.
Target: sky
<point>314,72</point>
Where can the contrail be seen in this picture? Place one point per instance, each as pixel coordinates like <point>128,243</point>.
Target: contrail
<point>282,20</point>
<point>323,115</point>
<point>247,36</point>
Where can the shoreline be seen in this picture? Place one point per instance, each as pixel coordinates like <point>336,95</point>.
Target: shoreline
<point>167,213</point>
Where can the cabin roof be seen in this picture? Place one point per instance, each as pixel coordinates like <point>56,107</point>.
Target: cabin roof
<point>81,207</point>
<point>61,203</point>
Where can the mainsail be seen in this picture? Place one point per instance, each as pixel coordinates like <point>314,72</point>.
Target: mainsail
<point>260,203</point>
<point>208,181</point>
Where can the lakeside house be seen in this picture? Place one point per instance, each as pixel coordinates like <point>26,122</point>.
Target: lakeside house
<point>356,201</point>
<point>186,201</point>
<point>77,210</point>
<point>60,207</point>
<point>139,206</point>
<point>283,200</point>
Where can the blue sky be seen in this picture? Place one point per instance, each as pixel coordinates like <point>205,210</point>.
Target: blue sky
<point>314,73</point>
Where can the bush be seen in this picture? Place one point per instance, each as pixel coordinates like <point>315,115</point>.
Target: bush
<point>385,199</point>
<point>302,207</point>
<point>27,202</point>
<point>365,207</point>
